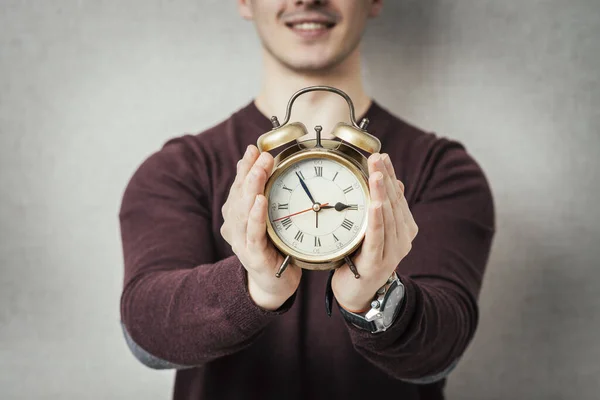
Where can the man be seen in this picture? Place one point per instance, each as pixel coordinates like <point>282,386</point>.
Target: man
<point>200,292</point>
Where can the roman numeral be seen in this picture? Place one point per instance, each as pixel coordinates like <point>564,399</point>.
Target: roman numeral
<point>299,236</point>
<point>286,223</point>
<point>287,188</point>
<point>301,175</point>
<point>348,189</point>
<point>335,239</point>
<point>334,176</point>
<point>353,207</point>
<point>318,171</point>
<point>347,224</point>
<point>317,242</point>
<point>283,206</point>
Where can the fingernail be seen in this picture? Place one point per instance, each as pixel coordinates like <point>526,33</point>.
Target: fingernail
<point>379,178</point>
<point>401,185</point>
<point>258,200</point>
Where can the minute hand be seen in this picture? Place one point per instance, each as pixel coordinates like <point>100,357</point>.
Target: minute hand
<point>305,187</point>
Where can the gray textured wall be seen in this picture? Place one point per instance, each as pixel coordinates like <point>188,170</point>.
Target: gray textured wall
<point>89,88</point>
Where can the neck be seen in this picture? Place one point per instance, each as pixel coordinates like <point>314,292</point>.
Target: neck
<point>279,83</point>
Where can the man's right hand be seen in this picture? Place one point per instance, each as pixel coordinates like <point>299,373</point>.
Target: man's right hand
<point>244,228</point>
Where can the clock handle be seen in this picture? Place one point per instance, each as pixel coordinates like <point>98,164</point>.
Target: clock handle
<point>355,134</point>
<point>362,126</point>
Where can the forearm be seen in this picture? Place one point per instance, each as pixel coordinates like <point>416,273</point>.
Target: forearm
<point>451,203</point>
<point>437,321</point>
<point>187,317</point>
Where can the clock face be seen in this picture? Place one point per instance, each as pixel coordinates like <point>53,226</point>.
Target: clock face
<point>317,208</point>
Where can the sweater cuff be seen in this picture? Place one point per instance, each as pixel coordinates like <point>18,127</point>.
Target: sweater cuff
<point>401,327</point>
<point>240,309</point>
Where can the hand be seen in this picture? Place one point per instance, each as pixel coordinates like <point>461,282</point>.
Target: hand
<point>244,228</point>
<point>305,188</point>
<point>297,213</point>
<point>341,206</point>
<point>390,232</point>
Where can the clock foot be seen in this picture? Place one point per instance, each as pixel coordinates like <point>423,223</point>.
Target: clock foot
<point>352,267</point>
<point>283,266</point>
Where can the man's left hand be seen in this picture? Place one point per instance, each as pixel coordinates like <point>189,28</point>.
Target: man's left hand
<point>388,239</point>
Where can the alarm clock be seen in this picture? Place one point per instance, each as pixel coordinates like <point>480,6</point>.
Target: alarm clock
<point>318,193</point>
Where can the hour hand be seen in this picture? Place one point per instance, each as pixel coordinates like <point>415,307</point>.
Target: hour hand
<point>340,206</point>
<point>305,187</point>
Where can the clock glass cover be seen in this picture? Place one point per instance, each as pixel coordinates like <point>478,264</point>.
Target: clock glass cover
<point>317,208</point>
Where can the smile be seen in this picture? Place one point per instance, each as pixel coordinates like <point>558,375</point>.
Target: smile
<point>310,26</point>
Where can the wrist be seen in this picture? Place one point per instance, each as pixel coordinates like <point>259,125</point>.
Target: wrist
<point>383,309</point>
<point>264,300</point>
<point>357,300</point>
<point>358,307</point>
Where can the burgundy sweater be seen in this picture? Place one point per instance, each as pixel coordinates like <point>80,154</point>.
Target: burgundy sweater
<point>185,301</point>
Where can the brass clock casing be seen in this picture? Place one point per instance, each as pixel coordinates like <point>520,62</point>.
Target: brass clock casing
<point>342,154</point>
<point>346,152</point>
<point>280,136</point>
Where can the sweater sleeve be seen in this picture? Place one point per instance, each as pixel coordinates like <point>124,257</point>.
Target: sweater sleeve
<point>180,303</point>
<point>442,273</point>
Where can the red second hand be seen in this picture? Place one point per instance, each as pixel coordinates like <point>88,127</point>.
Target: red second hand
<point>299,212</point>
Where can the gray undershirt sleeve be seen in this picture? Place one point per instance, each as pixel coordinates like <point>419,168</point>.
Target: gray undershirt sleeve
<point>146,358</point>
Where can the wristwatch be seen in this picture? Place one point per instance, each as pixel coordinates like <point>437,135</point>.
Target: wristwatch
<point>384,309</point>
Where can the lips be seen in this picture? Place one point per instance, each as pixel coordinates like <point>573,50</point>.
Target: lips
<point>310,25</point>
<point>310,29</point>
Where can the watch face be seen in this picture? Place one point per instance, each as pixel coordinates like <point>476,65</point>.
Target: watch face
<point>317,208</point>
<point>391,306</point>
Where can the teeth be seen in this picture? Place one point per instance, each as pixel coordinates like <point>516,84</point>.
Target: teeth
<point>310,26</point>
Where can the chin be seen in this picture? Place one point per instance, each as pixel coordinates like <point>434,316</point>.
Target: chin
<point>312,62</point>
<point>309,58</point>
<point>312,65</point>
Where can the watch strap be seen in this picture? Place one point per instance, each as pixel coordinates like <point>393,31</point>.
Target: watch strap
<point>357,320</point>
<point>329,293</point>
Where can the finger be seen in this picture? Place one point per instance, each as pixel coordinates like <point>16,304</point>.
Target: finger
<point>372,162</point>
<point>244,165</point>
<point>377,162</point>
<point>256,240</point>
<point>379,194</point>
<point>391,211</point>
<point>395,195</point>
<point>391,188</point>
<point>389,167</point>
<point>375,235</point>
<point>258,175</point>
<point>400,203</point>
<point>254,184</point>
<point>409,219</point>
<point>242,169</point>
